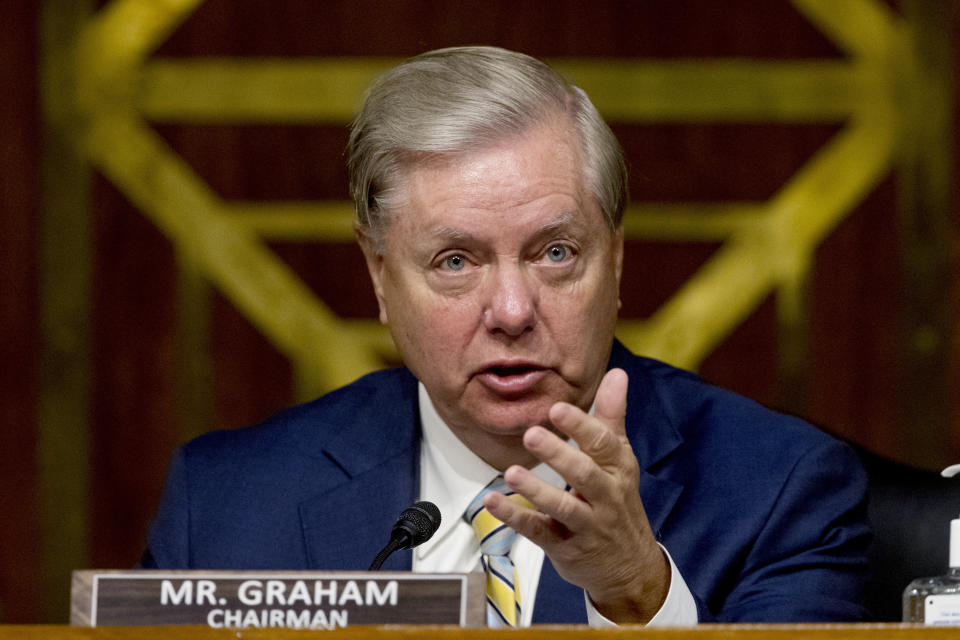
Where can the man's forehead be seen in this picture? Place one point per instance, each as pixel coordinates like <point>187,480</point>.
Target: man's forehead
<point>565,219</point>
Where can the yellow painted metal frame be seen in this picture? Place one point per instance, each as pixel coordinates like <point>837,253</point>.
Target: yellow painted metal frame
<point>766,247</point>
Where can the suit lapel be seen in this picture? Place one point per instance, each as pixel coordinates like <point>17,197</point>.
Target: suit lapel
<point>653,436</point>
<point>346,526</point>
<point>659,496</point>
<point>371,476</point>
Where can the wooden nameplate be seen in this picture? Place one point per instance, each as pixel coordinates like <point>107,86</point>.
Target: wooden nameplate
<point>291,599</point>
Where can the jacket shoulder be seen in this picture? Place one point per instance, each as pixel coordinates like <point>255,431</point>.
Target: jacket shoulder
<point>695,408</point>
<point>309,426</point>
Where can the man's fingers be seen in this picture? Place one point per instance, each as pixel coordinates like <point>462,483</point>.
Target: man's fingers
<point>603,435</point>
<point>553,505</point>
<point>594,437</point>
<point>610,404</point>
<point>575,466</point>
<point>526,521</point>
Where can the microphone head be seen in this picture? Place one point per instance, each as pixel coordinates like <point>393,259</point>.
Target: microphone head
<point>417,524</point>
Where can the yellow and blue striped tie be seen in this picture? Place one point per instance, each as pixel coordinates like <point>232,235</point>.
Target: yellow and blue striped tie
<point>496,538</point>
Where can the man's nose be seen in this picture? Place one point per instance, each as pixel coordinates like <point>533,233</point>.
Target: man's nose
<point>511,301</point>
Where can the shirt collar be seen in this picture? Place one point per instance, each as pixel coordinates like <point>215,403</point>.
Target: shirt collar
<point>452,473</point>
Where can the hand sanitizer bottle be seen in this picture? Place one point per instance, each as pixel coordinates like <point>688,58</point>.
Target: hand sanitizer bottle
<point>936,601</point>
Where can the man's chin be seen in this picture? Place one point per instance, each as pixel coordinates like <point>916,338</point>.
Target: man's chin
<point>495,432</point>
<point>512,419</point>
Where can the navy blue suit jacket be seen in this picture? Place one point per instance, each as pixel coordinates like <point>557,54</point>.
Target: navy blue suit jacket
<point>763,514</point>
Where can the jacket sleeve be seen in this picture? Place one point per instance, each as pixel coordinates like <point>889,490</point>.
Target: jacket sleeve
<point>809,561</point>
<point>168,539</point>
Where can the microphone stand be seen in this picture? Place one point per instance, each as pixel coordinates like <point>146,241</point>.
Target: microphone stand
<point>394,544</point>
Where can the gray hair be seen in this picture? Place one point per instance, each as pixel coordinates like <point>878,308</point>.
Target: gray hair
<point>460,99</point>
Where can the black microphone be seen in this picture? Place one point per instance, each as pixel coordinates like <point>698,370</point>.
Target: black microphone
<point>415,526</point>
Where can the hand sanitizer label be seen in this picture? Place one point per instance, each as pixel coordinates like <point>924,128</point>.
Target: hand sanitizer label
<point>942,610</point>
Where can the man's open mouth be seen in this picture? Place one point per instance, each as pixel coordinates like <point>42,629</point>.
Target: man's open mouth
<point>512,371</point>
<point>509,380</point>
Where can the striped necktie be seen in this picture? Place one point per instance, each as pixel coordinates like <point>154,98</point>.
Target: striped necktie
<point>496,538</point>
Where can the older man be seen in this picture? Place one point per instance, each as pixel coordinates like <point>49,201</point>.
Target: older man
<point>489,197</point>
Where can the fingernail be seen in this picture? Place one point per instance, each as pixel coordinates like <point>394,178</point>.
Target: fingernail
<point>558,411</point>
<point>534,436</point>
<point>513,475</point>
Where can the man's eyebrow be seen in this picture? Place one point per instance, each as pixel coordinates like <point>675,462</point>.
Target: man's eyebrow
<point>452,234</point>
<point>561,220</point>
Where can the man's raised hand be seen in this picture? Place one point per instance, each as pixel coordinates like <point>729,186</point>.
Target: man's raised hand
<point>597,534</point>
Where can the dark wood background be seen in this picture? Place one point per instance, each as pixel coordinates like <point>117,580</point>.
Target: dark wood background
<point>857,384</point>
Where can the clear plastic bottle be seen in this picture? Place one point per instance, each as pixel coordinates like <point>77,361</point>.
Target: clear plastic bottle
<point>936,601</point>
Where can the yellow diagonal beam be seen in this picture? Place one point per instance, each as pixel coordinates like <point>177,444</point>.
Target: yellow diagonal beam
<point>373,336</point>
<point>716,299</point>
<point>861,28</point>
<point>125,32</point>
<point>250,275</point>
<point>113,44</point>
<point>748,267</point>
<point>818,196</point>
<point>330,89</point>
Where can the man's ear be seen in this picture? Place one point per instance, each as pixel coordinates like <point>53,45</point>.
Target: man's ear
<point>374,259</point>
<point>618,252</point>
<point>618,260</point>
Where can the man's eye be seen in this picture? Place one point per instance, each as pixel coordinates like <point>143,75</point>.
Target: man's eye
<point>557,252</point>
<point>456,262</point>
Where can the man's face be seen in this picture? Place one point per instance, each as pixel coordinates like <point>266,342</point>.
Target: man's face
<point>499,281</point>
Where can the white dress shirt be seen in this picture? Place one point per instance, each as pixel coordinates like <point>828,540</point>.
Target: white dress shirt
<point>451,476</point>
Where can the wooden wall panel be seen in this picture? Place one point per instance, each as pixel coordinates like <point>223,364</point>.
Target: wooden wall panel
<point>133,391</point>
<point>855,318</point>
<point>19,314</point>
<point>547,28</point>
